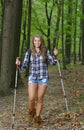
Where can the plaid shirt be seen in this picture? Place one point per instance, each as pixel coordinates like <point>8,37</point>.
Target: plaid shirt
<point>38,68</point>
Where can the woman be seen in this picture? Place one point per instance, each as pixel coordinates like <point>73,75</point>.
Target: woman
<point>38,76</point>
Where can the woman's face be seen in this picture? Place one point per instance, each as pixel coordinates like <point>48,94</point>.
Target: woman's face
<point>37,42</point>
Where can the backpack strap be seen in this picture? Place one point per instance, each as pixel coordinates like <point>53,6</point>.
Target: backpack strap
<point>29,52</point>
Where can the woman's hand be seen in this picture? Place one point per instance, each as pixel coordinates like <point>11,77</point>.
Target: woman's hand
<point>55,52</point>
<point>18,61</point>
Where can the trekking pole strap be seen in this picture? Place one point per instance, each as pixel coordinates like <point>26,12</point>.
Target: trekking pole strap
<point>17,67</point>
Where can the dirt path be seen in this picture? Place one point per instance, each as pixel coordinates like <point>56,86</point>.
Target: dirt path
<point>54,112</point>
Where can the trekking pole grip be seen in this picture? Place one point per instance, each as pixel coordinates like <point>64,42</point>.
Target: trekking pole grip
<point>17,67</point>
<point>17,63</point>
<point>57,57</point>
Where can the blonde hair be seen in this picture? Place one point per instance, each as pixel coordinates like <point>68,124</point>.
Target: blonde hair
<point>42,48</point>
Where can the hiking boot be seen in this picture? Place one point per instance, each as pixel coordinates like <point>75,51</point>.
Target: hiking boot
<point>37,122</point>
<point>31,115</point>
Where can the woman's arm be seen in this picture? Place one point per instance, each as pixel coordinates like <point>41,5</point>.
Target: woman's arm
<point>26,60</point>
<point>52,58</point>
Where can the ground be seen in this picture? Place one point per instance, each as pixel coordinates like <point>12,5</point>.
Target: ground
<point>54,114</point>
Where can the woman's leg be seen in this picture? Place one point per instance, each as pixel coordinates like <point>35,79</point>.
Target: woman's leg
<point>40,96</point>
<point>32,90</point>
<point>39,105</point>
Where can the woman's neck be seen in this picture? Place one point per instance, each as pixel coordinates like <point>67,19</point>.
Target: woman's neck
<point>37,50</point>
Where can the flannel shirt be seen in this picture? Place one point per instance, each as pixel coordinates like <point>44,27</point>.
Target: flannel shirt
<point>38,68</point>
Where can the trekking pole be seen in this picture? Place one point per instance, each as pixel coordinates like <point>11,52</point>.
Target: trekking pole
<point>14,105</point>
<point>68,113</point>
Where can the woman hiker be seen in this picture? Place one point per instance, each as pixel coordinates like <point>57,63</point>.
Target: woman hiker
<point>38,76</point>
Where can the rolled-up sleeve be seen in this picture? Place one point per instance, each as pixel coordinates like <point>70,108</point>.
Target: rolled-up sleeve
<point>51,58</point>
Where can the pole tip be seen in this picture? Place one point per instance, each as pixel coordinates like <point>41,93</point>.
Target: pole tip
<point>66,115</point>
<point>12,126</point>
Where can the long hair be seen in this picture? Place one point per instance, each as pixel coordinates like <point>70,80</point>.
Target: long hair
<point>42,48</point>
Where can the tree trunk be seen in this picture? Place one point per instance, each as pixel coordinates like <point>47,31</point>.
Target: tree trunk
<point>1,22</point>
<point>55,39</point>
<point>0,52</point>
<point>23,36</point>
<point>63,55</point>
<point>83,33</point>
<point>80,48</point>
<point>10,43</point>
<point>75,27</point>
<point>49,18</point>
<point>29,23</point>
<point>68,35</point>
<point>6,46</point>
<point>16,36</point>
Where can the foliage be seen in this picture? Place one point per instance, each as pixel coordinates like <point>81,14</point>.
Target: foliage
<point>39,22</point>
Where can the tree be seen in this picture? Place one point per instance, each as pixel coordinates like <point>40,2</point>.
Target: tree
<point>26,27</point>
<point>83,32</point>
<point>10,43</point>
<point>29,23</point>
<point>75,28</point>
<point>1,24</point>
<point>0,52</point>
<point>56,36</point>
<point>49,18</point>
<point>63,55</point>
<point>23,33</point>
<point>68,33</point>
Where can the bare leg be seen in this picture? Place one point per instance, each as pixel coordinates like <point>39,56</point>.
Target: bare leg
<point>32,90</point>
<point>40,96</point>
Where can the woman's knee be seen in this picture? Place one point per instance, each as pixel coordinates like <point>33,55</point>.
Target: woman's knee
<point>40,99</point>
<point>31,100</point>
